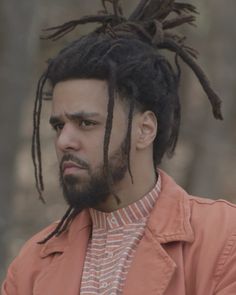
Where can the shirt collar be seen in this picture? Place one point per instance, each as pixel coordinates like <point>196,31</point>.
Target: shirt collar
<point>133,213</point>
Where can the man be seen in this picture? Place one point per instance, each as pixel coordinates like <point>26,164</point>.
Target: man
<point>130,229</point>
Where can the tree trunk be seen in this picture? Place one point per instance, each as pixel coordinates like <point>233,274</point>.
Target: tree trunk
<point>15,52</point>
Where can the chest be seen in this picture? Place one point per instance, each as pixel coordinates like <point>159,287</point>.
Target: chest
<point>152,271</point>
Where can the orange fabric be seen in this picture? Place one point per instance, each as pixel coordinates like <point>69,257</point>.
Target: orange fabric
<point>188,248</point>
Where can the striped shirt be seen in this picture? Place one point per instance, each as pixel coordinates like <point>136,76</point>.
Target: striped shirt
<point>114,239</point>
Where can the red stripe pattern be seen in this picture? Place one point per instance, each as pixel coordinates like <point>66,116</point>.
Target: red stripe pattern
<point>112,245</point>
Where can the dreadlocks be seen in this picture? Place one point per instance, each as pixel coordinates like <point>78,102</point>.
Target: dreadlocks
<point>125,52</point>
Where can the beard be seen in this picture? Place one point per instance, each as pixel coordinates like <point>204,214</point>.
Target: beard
<point>94,189</point>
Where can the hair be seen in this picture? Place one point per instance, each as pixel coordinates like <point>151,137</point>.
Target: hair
<point>126,54</point>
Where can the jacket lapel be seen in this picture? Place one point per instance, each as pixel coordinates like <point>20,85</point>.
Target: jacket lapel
<point>153,267</point>
<point>63,275</point>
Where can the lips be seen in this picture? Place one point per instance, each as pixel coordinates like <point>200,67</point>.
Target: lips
<point>71,167</point>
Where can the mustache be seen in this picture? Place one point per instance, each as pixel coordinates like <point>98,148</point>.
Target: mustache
<point>68,157</point>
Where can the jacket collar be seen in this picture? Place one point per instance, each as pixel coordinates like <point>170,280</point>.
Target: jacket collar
<point>170,218</point>
<point>60,243</point>
<point>168,222</point>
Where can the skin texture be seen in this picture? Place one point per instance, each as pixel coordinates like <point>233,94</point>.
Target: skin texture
<point>79,111</point>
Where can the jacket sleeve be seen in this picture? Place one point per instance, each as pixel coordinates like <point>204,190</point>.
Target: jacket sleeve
<point>225,274</point>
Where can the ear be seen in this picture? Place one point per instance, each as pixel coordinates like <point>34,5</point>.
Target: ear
<point>147,130</point>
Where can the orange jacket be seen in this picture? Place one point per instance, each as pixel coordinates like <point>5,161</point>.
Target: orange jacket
<point>189,248</point>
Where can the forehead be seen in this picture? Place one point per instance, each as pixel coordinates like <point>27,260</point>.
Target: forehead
<point>85,95</point>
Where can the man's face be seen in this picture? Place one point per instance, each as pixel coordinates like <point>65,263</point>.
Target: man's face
<point>79,113</point>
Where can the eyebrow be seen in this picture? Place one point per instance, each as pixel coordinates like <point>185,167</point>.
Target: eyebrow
<point>54,120</point>
<point>74,117</point>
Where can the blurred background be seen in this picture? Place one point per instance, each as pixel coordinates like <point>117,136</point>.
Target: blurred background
<point>204,162</point>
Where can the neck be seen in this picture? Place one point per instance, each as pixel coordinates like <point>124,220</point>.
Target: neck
<point>129,192</point>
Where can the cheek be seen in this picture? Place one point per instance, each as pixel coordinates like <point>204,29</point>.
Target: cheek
<point>118,135</point>
<point>57,150</point>
<point>95,153</point>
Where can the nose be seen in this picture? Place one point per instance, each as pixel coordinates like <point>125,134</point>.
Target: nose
<point>68,139</point>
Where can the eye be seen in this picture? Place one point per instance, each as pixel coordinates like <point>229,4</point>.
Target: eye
<point>87,123</point>
<point>58,127</point>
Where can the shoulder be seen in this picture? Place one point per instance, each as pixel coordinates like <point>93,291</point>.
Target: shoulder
<point>206,202</point>
<point>200,211</point>
<point>28,263</point>
<point>33,251</point>
<point>34,259</point>
<point>29,257</point>
<point>214,247</point>
<point>214,213</point>
<point>214,225</point>
<point>33,245</point>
